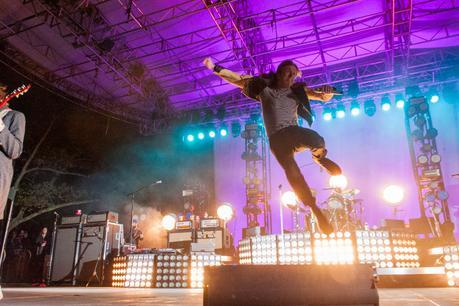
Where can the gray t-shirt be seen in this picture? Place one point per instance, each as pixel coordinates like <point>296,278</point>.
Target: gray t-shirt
<point>280,109</point>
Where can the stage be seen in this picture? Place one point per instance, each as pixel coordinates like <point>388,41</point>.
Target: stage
<point>122,296</point>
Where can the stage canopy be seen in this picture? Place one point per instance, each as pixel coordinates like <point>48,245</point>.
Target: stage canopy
<point>141,60</point>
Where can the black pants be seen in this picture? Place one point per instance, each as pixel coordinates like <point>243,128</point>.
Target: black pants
<point>290,140</point>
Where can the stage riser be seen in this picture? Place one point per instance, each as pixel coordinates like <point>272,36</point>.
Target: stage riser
<point>289,285</point>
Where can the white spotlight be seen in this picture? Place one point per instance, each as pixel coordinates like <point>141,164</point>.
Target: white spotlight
<point>225,211</point>
<point>168,222</point>
<point>393,194</point>
<point>338,181</point>
<point>289,199</point>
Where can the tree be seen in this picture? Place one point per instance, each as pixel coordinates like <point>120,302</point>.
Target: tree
<point>47,183</point>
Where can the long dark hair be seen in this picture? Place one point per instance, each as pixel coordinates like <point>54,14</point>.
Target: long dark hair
<point>272,76</point>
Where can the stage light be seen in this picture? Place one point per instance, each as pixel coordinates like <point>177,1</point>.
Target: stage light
<point>355,108</point>
<point>369,107</point>
<point>200,135</point>
<point>334,249</point>
<point>168,222</point>
<point>451,262</point>
<point>327,114</point>
<point>385,103</point>
<point>245,255</point>
<point>422,159</point>
<point>435,158</point>
<point>340,110</point>
<point>289,199</point>
<point>434,98</point>
<point>405,250</point>
<point>235,128</point>
<point>212,134</point>
<point>190,137</point>
<point>393,194</point>
<point>399,100</point>
<point>374,247</point>
<point>225,211</point>
<point>338,181</point>
<point>223,131</point>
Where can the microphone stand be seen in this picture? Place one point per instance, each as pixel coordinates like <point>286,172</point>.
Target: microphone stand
<point>132,196</point>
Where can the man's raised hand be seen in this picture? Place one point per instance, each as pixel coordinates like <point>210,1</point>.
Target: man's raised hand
<point>209,63</point>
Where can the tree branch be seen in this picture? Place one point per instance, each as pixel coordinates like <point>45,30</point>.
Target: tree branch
<point>15,222</point>
<point>55,171</point>
<point>31,157</point>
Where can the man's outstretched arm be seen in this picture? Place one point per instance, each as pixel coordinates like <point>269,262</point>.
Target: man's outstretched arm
<point>324,95</point>
<point>226,74</point>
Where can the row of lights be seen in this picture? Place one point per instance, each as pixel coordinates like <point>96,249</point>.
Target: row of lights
<point>134,270</point>
<point>198,262</point>
<point>374,247</point>
<point>333,249</point>
<point>381,248</point>
<point>171,271</point>
<point>369,106</point>
<point>405,250</point>
<point>451,257</point>
<point>297,248</point>
<point>211,133</point>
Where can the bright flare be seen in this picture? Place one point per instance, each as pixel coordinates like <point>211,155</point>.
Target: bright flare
<point>393,194</point>
<point>434,99</point>
<point>225,211</point>
<point>400,103</point>
<point>289,198</point>
<point>338,181</point>
<point>168,222</point>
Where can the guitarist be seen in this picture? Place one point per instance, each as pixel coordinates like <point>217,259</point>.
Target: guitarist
<point>282,101</point>
<point>12,129</point>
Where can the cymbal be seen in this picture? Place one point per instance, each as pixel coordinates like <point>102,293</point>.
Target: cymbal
<point>351,191</point>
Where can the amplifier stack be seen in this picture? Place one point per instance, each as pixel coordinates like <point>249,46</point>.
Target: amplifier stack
<point>82,247</point>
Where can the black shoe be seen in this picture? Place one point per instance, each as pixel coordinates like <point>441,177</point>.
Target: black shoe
<point>324,225</point>
<point>330,166</point>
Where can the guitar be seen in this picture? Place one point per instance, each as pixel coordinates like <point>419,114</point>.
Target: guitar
<point>15,94</point>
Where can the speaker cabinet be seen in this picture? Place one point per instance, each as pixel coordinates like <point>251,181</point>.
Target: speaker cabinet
<point>290,285</point>
<point>82,251</point>
<point>99,242</point>
<point>64,253</point>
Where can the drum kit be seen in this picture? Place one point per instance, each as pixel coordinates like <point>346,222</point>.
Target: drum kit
<point>343,210</point>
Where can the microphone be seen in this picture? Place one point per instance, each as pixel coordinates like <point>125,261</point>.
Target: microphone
<point>334,90</point>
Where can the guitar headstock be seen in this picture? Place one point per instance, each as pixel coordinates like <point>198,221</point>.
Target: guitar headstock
<point>15,93</point>
<point>21,90</point>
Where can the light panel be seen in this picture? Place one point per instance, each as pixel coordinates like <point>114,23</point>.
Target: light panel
<point>451,262</point>
<point>374,247</point>
<point>198,262</point>
<point>295,248</point>
<point>336,248</point>
<point>172,271</point>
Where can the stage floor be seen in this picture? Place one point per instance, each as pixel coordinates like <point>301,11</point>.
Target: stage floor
<point>119,296</point>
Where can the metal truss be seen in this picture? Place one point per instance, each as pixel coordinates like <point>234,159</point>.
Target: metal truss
<point>70,90</point>
<point>380,63</point>
<point>76,28</point>
<point>306,40</point>
<point>243,43</point>
<point>426,68</point>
